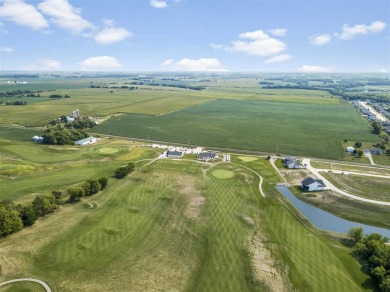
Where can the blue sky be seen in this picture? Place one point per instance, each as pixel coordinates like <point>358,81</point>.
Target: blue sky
<point>195,35</point>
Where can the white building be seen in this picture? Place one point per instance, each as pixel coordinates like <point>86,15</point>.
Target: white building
<point>310,184</point>
<point>350,149</point>
<point>37,139</point>
<point>86,141</point>
<point>174,154</point>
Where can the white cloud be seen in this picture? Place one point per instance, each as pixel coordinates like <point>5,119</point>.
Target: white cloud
<point>279,58</point>
<point>108,22</point>
<point>167,63</point>
<point>158,4</point>
<point>257,43</point>
<point>23,14</point>
<point>383,71</point>
<point>44,65</point>
<point>350,32</point>
<point>65,15</point>
<point>217,46</point>
<point>6,50</point>
<point>315,69</point>
<point>100,63</point>
<point>202,64</point>
<point>112,35</point>
<point>320,39</point>
<point>278,31</point>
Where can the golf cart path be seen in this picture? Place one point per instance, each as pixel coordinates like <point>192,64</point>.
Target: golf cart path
<point>47,288</point>
<point>261,179</point>
<point>331,187</point>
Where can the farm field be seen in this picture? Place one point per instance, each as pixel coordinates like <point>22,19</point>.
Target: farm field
<point>172,225</point>
<point>250,125</point>
<point>367,187</point>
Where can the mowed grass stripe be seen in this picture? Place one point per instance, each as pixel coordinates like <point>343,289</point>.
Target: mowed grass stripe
<point>318,266</point>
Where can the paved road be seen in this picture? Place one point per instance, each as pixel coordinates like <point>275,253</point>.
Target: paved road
<point>272,161</point>
<point>330,186</point>
<point>369,156</point>
<point>351,172</point>
<point>28,280</point>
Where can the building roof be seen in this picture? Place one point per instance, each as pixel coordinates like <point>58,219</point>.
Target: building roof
<point>207,155</point>
<point>309,180</point>
<point>85,140</point>
<point>174,153</point>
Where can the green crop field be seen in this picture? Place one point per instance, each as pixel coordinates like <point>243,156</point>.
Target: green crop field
<point>171,225</point>
<point>314,130</point>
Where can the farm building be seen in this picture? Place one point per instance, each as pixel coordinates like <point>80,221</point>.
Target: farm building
<point>310,184</point>
<point>376,151</point>
<point>89,140</point>
<point>291,162</point>
<point>174,154</point>
<point>350,149</point>
<point>207,155</point>
<point>37,139</point>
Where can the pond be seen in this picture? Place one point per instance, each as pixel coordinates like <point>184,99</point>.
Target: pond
<point>326,221</point>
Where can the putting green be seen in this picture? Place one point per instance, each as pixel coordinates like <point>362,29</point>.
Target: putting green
<point>108,150</point>
<point>247,158</point>
<point>222,174</point>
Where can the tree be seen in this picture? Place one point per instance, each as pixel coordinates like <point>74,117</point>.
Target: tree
<point>64,119</point>
<point>44,205</point>
<point>360,153</point>
<point>356,234</point>
<point>358,144</point>
<point>91,187</point>
<point>75,194</point>
<point>103,182</point>
<point>378,273</point>
<point>28,215</point>
<point>377,127</point>
<point>385,285</point>
<point>10,221</point>
<point>58,196</point>
<point>383,147</point>
<point>355,152</point>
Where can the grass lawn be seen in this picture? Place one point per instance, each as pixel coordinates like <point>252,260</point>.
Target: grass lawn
<point>299,129</point>
<point>350,167</point>
<point>374,188</point>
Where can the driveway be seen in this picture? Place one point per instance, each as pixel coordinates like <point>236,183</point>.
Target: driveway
<point>331,187</point>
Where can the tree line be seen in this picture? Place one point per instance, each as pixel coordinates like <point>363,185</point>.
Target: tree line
<point>20,93</point>
<point>13,217</point>
<point>374,250</point>
<point>18,102</point>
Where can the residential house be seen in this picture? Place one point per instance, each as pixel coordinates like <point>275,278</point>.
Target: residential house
<point>376,151</point>
<point>207,156</point>
<point>291,162</point>
<point>310,184</point>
